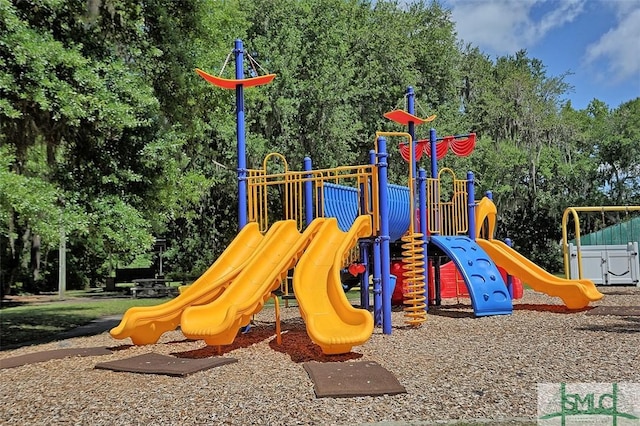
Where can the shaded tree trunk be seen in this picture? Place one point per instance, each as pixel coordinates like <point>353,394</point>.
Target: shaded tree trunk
<point>34,265</point>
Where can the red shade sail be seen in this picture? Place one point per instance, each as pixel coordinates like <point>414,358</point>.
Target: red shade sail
<point>461,146</point>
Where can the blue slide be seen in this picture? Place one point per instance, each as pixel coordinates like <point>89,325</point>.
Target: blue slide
<point>487,290</point>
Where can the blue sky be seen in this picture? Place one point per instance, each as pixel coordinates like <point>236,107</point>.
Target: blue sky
<point>598,41</point>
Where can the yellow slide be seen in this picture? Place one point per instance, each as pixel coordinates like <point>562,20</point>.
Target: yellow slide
<point>575,294</point>
<point>145,324</point>
<point>218,322</point>
<point>332,323</point>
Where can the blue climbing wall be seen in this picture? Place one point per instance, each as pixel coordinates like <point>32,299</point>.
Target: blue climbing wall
<point>487,290</point>
<point>342,203</point>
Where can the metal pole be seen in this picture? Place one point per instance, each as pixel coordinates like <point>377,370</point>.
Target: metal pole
<point>62,263</point>
<point>377,284</point>
<point>385,261</point>
<point>367,248</point>
<point>434,158</point>
<point>411,109</point>
<point>242,156</point>
<point>308,192</point>
<point>436,188</point>
<point>364,279</point>
<point>471,205</point>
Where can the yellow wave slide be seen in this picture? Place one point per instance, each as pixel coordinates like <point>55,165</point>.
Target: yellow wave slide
<point>145,324</point>
<point>331,321</point>
<point>218,322</point>
<point>575,294</point>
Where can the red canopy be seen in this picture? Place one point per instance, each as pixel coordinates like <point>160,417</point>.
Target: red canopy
<point>460,145</point>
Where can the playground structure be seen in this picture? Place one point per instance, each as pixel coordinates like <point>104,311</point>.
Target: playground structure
<point>608,256</point>
<point>329,220</point>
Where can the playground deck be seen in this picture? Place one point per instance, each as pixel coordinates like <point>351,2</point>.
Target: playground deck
<point>454,367</point>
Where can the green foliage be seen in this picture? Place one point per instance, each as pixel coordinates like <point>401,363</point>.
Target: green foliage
<point>78,87</point>
<point>618,151</point>
<point>27,202</point>
<point>106,129</point>
<point>196,196</point>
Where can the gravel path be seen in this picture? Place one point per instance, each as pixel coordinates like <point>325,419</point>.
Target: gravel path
<point>454,367</point>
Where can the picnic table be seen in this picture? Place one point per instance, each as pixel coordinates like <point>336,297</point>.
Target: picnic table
<point>152,287</point>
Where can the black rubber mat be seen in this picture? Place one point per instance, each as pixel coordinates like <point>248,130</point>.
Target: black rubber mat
<point>349,379</point>
<point>43,356</point>
<point>164,364</point>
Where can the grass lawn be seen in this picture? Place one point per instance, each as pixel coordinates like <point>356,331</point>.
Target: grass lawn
<point>32,321</point>
<point>27,322</point>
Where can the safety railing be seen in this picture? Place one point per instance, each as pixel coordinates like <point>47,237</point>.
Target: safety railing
<point>297,195</point>
<point>447,202</point>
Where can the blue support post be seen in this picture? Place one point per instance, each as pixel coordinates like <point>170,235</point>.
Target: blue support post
<point>422,200</point>
<point>411,109</point>
<point>471,205</point>
<point>365,250</point>
<point>364,279</point>
<point>377,284</point>
<point>433,139</point>
<point>242,156</point>
<point>385,256</point>
<point>308,192</point>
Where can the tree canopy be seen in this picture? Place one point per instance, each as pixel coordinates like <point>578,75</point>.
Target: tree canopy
<point>107,132</point>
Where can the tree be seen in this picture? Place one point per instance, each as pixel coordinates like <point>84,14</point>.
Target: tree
<point>104,121</point>
<point>76,86</point>
<point>25,203</point>
<point>198,191</point>
<point>618,153</point>
<point>526,150</point>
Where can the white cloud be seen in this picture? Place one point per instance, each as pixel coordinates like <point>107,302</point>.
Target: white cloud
<point>617,52</point>
<point>565,13</point>
<point>505,26</point>
<point>597,41</point>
